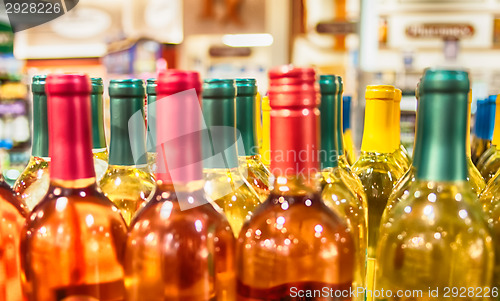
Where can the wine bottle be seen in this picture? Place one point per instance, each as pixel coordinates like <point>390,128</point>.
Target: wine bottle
<point>294,241</point>
<point>256,173</point>
<point>402,188</point>
<point>258,120</point>
<point>12,214</point>
<point>376,167</point>
<point>33,183</point>
<point>224,182</point>
<point>99,147</point>
<point>151,112</point>
<point>439,224</point>
<point>400,154</point>
<point>346,127</point>
<point>73,243</point>
<point>127,182</point>
<point>179,246</point>
<point>265,150</point>
<point>338,192</point>
<point>491,158</point>
<point>483,129</point>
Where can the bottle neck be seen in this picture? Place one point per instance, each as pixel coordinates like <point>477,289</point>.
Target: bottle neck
<point>331,131</point>
<point>219,143</point>
<point>245,112</point>
<point>468,151</point>
<point>70,137</point>
<point>98,135</point>
<point>151,137</point>
<point>496,130</point>
<point>178,140</point>
<point>295,185</point>
<point>295,142</point>
<point>40,147</point>
<point>377,133</point>
<point>441,133</point>
<point>127,143</point>
<point>346,115</point>
<point>396,127</point>
<point>266,133</point>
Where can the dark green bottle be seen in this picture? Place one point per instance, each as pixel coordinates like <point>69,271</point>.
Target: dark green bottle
<point>439,222</point>
<point>224,181</point>
<point>127,181</point>
<point>151,133</point>
<point>33,183</point>
<point>256,172</point>
<point>99,147</point>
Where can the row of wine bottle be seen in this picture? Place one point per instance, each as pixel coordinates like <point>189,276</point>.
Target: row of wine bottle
<point>188,210</point>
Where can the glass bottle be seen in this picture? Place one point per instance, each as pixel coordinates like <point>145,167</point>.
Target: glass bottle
<point>376,167</point>
<point>249,158</point>
<point>294,241</point>
<point>338,193</point>
<point>436,238</point>
<point>483,128</point>
<point>225,184</point>
<point>73,242</point>
<point>179,246</point>
<point>346,127</point>
<point>127,182</point>
<point>151,135</point>
<point>99,147</point>
<point>265,150</point>
<point>402,188</point>
<point>33,183</point>
<point>491,158</point>
<point>401,154</point>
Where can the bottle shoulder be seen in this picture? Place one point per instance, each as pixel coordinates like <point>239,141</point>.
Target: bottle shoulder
<point>128,177</point>
<point>437,204</point>
<point>373,163</point>
<point>167,209</point>
<point>72,207</point>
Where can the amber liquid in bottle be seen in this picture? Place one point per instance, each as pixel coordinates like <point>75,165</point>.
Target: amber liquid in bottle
<point>293,241</point>
<point>13,216</point>
<point>73,242</point>
<point>174,253</point>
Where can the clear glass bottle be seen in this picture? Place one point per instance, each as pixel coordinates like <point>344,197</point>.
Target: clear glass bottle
<point>33,183</point>
<point>249,158</point>
<point>402,188</point>
<point>338,193</point>
<point>127,182</point>
<point>224,183</point>
<point>376,167</point>
<point>491,158</point>
<point>151,85</point>
<point>400,154</point>
<point>265,150</point>
<point>73,242</point>
<point>350,149</point>
<point>439,224</point>
<point>99,147</point>
<point>483,129</point>
<point>179,246</point>
<point>294,241</point>
<point>12,214</point>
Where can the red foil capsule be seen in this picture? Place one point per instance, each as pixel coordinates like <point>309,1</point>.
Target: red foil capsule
<point>70,131</point>
<point>295,140</point>
<point>178,119</point>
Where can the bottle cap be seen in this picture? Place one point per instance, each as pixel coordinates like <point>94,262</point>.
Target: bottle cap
<point>293,87</point>
<point>219,88</point>
<point>441,80</point>
<point>70,141</point>
<point>330,84</point>
<point>398,94</point>
<point>97,85</point>
<point>246,87</point>
<point>151,84</point>
<point>382,92</point>
<point>38,84</point>
<point>178,126</point>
